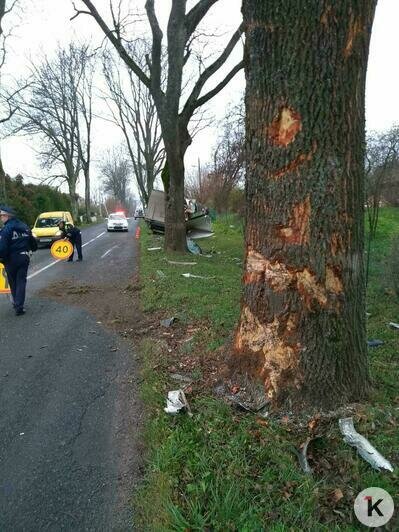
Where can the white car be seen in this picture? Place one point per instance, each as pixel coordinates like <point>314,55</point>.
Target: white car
<point>117,221</point>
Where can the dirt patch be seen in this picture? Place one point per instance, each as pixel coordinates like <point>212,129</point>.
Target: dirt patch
<point>115,305</point>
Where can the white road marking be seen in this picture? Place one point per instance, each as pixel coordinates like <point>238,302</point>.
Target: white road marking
<point>95,238</point>
<point>56,261</point>
<point>109,251</point>
<point>42,269</point>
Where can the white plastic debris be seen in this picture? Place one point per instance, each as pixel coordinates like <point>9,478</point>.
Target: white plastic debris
<point>182,263</point>
<point>196,276</point>
<point>393,325</point>
<point>176,401</point>
<point>153,249</point>
<point>363,446</point>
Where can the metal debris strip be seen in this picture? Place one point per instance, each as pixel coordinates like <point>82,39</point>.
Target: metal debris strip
<point>374,343</point>
<point>176,401</point>
<point>250,397</point>
<point>393,325</point>
<point>181,378</point>
<point>181,263</point>
<point>196,276</point>
<point>302,457</point>
<point>363,446</point>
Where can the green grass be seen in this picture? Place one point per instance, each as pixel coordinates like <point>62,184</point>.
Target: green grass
<point>223,470</point>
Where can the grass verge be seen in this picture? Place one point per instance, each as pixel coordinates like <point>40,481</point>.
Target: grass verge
<point>225,470</point>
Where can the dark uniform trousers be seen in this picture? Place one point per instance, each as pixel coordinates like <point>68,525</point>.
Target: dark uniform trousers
<point>17,270</point>
<point>76,241</point>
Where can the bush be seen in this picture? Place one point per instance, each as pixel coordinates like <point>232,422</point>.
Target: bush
<point>30,200</point>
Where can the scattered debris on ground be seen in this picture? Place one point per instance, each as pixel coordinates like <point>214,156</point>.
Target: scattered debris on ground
<point>248,395</point>
<point>168,322</point>
<point>193,247</point>
<point>182,263</point>
<point>176,401</point>
<point>374,343</point>
<point>196,276</point>
<point>302,457</point>
<point>363,446</point>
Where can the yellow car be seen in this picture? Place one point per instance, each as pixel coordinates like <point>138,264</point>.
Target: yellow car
<point>46,229</point>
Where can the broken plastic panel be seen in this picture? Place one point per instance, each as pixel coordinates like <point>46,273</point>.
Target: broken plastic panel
<point>176,401</point>
<point>193,247</point>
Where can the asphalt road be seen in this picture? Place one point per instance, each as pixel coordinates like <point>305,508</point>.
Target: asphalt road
<point>69,412</point>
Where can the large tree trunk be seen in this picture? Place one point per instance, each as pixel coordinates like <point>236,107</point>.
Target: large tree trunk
<point>176,144</point>
<point>87,193</point>
<point>302,324</point>
<point>175,227</point>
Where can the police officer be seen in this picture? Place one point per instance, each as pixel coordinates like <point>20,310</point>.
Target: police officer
<point>74,235</point>
<point>16,242</point>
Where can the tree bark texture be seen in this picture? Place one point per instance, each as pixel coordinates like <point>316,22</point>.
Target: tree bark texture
<point>175,236</point>
<point>87,194</point>
<point>302,323</point>
<point>3,190</point>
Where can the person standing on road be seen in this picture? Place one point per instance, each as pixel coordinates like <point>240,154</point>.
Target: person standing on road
<point>74,235</point>
<point>16,244</point>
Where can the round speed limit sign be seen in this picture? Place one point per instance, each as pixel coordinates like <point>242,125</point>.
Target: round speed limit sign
<point>61,249</point>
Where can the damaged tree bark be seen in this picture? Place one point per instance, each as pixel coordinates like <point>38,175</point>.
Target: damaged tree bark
<point>302,323</point>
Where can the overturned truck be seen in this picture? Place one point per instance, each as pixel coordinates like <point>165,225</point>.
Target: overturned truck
<point>198,221</point>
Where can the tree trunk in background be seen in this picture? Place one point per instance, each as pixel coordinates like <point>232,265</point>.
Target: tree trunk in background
<point>175,236</point>
<point>3,191</point>
<point>302,323</point>
<point>74,202</point>
<point>87,193</point>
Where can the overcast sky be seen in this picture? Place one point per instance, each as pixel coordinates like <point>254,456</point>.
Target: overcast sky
<point>45,23</point>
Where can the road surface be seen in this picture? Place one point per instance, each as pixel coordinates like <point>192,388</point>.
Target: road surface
<point>69,411</point>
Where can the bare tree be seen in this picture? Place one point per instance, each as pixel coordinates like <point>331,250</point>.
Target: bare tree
<point>174,115</point>
<point>133,110</point>
<point>228,160</point>
<point>382,158</point>
<point>84,96</point>
<point>6,7</point>
<point>55,106</point>
<point>116,169</point>
<point>382,154</point>
<point>213,185</point>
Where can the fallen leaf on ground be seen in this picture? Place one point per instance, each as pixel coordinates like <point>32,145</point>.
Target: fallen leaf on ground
<point>336,495</point>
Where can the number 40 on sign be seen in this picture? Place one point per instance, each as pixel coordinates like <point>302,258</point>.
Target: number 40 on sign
<point>61,249</point>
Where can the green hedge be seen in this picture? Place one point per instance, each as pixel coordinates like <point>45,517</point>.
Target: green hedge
<point>30,200</point>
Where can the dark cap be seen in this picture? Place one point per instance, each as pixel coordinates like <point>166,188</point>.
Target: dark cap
<point>9,211</point>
